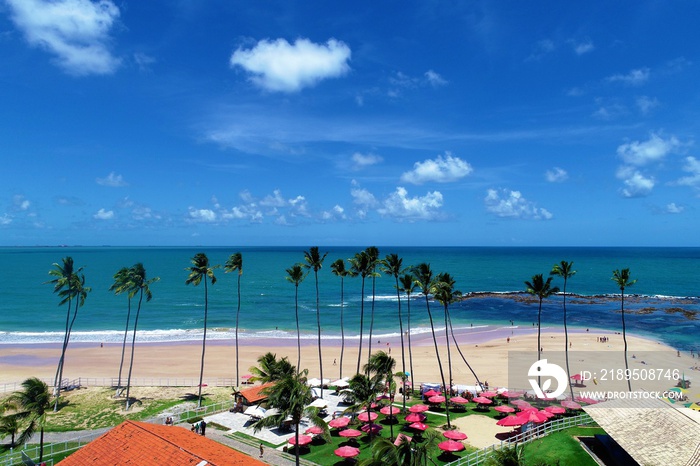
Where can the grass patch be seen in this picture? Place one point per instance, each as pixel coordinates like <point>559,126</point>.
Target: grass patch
<point>561,448</point>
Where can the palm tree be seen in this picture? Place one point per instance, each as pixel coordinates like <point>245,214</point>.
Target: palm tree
<point>408,286</point>
<point>338,269</point>
<point>33,402</point>
<point>122,284</point>
<point>373,255</point>
<point>291,397</point>
<point>235,263</point>
<point>270,369</point>
<point>69,285</point>
<point>314,261</point>
<point>424,279</point>
<point>622,279</point>
<point>382,365</point>
<point>565,270</point>
<point>443,291</point>
<point>363,389</point>
<point>385,453</point>
<point>508,456</point>
<point>359,265</point>
<point>542,289</point>
<point>295,275</point>
<point>200,270</point>
<point>9,424</point>
<point>141,286</point>
<point>393,265</point>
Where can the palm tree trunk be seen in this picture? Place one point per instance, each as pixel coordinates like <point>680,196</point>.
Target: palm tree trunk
<point>41,445</point>
<point>539,345</point>
<point>238,312</point>
<point>296,445</point>
<point>566,345</point>
<point>57,382</point>
<point>454,340</point>
<point>318,324</point>
<point>624,339</point>
<point>403,354</point>
<point>63,353</point>
<point>126,331</point>
<point>362,324</point>
<point>296,312</point>
<point>371,321</point>
<point>437,355</point>
<point>410,352</point>
<point>133,345</point>
<point>449,359</point>
<point>342,328</point>
<point>204,343</point>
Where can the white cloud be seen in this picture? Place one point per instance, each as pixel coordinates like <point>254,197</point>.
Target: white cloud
<point>75,31</point>
<point>581,48</point>
<point>103,214</point>
<point>652,150</point>
<point>274,200</point>
<point>365,160</point>
<point>400,205</point>
<point>20,202</point>
<point>143,61</point>
<point>672,208</point>
<point>280,66</point>
<point>202,215</point>
<point>511,204</point>
<point>541,49</point>
<point>692,166</point>
<point>636,183</point>
<point>112,180</point>
<point>556,175</point>
<point>5,220</point>
<point>633,78</point>
<point>361,196</point>
<point>335,213</point>
<point>646,104</point>
<point>434,79</point>
<point>442,170</point>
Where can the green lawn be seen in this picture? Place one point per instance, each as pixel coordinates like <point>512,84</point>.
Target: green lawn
<point>561,446</point>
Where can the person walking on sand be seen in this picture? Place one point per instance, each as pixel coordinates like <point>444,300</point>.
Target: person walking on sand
<point>262,450</point>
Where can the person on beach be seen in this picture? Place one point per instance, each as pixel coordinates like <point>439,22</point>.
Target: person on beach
<point>202,428</point>
<point>262,450</point>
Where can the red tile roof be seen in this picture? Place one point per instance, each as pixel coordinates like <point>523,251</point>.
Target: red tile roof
<point>253,395</point>
<point>140,443</point>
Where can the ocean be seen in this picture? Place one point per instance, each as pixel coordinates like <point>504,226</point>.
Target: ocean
<point>661,304</point>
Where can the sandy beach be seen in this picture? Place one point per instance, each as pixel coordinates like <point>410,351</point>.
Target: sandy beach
<point>488,357</point>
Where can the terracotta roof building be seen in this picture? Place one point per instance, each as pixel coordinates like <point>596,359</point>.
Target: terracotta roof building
<point>254,395</point>
<point>140,443</point>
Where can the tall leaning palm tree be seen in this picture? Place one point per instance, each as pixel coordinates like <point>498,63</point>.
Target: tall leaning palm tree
<point>423,276</point>
<point>542,289</point>
<point>359,265</point>
<point>122,284</point>
<point>622,279</point>
<point>565,270</point>
<point>338,269</point>
<point>373,255</point>
<point>408,286</point>
<point>393,265</point>
<point>201,271</point>
<point>295,275</point>
<point>314,261</point>
<point>233,264</point>
<point>141,286</point>
<point>33,402</point>
<point>443,291</point>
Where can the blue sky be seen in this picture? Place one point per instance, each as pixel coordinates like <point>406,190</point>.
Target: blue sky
<point>349,123</point>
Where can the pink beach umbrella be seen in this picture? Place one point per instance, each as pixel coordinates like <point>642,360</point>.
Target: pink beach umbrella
<point>339,422</point>
<point>437,399</point>
<point>555,409</point>
<point>314,430</point>
<point>347,451</point>
<point>419,408</point>
<point>587,400</point>
<point>402,438</point>
<point>451,445</point>
<point>510,421</point>
<point>416,417</point>
<point>532,416</point>
<point>504,409</point>
<point>489,394</point>
<point>454,435</point>
<point>367,417</point>
<point>350,433</point>
<point>576,377</point>
<point>520,402</point>
<point>303,440</point>
<point>459,400</point>
<point>374,428</point>
<point>418,426</point>
<point>430,393</point>
<point>548,414</point>
<point>511,394</point>
<point>570,404</point>
<point>390,410</point>
<point>482,401</point>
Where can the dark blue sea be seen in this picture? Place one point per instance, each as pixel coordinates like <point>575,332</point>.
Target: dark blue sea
<point>661,304</point>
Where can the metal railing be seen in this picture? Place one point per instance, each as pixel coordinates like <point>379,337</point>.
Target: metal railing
<point>479,456</point>
<point>136,382</point>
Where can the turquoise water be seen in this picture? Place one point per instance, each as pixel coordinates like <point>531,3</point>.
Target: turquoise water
<point>30,311</point>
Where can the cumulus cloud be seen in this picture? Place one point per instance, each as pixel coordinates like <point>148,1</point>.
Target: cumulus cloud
<point>646,104</point>
<point>400,205</point>
<point>75,31</point>
<point>441,170</point>
<point>511,204</point>
<point>633,78</point>
<point>692,166</point>
<point>654,149</point>
<point>112,180</point>
<point>556,175</point>
<point>636,184</point>
<point>283,67</point>
<point>103,214</point>
<point>21,203</point>
<point>673,208</point>
<point>202,215</point>
<point>336,213</point>
<point>434,79</point>
<point>5,220</point>
<point>581,48</point>
<point>400,80</point>
<point>365,160</point>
